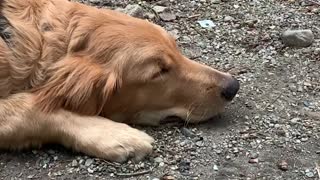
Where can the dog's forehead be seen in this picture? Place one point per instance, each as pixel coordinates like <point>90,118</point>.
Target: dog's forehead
<point>152,31</point>
<point>151,39</point>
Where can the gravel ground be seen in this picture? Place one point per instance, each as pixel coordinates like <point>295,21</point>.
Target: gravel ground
<point>270,131</point>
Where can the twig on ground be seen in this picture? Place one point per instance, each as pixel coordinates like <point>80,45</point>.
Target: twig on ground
<point>111,164</point>
<point>268,104</point>
<point>318,169</point>
<point>194,16</point>
<point>314,2</point>
<point>133,174</point>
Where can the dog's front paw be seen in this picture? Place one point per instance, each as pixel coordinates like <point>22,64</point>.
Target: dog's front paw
<point>114,141</point>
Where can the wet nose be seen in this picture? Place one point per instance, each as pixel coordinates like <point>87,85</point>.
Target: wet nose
<point>231,89</point>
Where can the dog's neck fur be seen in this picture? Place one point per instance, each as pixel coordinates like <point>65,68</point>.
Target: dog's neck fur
<point>25,39</point>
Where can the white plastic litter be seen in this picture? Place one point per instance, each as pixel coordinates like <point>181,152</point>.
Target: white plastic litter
<point>207,24</point>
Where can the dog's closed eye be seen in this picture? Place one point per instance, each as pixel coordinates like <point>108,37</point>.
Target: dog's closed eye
<point>163,71</point>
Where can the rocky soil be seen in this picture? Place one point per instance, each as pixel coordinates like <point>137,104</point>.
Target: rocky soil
<point>270,131</point>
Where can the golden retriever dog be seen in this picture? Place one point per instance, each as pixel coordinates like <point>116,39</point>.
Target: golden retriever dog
<point>76,75</point>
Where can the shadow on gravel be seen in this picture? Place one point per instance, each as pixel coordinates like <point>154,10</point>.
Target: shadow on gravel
<point>232,116</point>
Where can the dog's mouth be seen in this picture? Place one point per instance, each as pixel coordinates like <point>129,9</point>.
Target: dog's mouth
<point>170,116</point>
<point>176,119</point>
<point>171,119</point>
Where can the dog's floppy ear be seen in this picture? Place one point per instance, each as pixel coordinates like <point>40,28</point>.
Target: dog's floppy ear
<point>81,33</point>
<point>76,84</point>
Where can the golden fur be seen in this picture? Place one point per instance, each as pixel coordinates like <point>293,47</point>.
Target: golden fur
<point>66,69</point>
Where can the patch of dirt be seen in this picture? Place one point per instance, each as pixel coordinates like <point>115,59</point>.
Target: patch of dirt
<point>270,131</point>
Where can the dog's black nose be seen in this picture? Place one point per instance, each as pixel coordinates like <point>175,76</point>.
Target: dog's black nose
<point>231,89</point>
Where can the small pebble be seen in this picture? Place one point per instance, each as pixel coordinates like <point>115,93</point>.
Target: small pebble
<point>215,1</point>
<point>309,173</point>
<point>254,155</point>
<point>88,162</point>
<point>134,10</point>
<point>159,9</point>
<point>158,160</point>
<point>283,165</point>
<point>254,161</point>
<point>166,16</point>
<point>161,164</point>
<point>294,120</point>
<point>31,176</point>
<point>167,178</point>
<point>74,163</point>
<point>228,19</point>
<point>90,170</point>
<point>199,143</point>
<point>215,167</point>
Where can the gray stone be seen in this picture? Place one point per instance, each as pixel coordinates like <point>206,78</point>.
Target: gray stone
<point>90,170</point>
<point>215,167</point>
<point>298,38</point>
<point>294,120</point>
<point>74,163</point>
<point>158,160</point>
<point>228,19</point>
<point>150,15</point>
<point>167,16</point>
<point>88,162</point>
<point>283,165</point>
<point>215,1</point>
<point>254,156</point>
<point>134,10</point>
<point>31,176</point>
<point>199,143</point>
<point>159,9</point>
<point>55,158</point>
<point>309,173</point>
<point>253,161</point>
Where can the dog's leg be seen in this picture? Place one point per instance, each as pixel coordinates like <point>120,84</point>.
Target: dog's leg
<point>22,125</point>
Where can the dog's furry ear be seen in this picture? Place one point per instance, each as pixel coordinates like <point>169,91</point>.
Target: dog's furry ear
<point>78,42</point>
<point>81,33</point>
<point>78,85</point>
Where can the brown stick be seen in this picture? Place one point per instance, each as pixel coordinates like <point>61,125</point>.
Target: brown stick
<point>133,174</point>
<point>318,169</point>
<point>314,2</point>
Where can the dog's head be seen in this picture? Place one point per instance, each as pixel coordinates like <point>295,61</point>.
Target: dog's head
<point>131,70</point>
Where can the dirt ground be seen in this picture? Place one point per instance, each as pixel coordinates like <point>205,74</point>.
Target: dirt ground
<point>270,131</point>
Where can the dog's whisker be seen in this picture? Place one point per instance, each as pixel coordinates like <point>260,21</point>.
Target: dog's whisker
<point>189,114</point>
